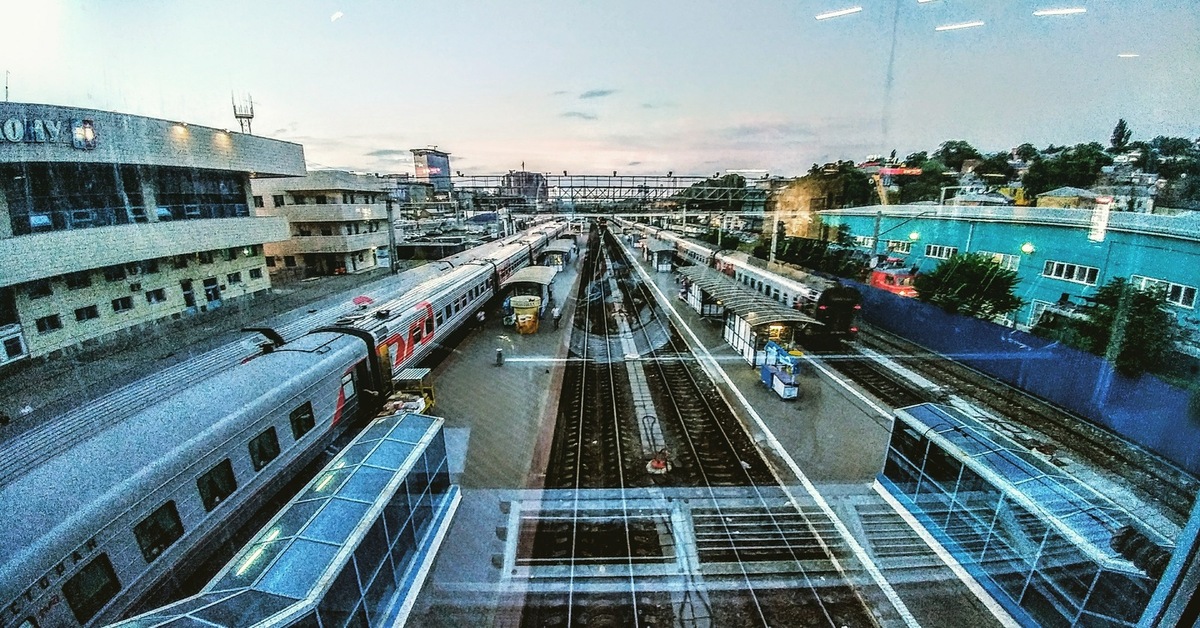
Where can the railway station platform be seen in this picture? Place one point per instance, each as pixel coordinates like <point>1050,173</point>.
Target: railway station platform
<point>499,422</point>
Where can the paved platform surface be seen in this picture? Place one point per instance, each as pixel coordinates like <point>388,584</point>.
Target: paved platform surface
<point>498,414</point>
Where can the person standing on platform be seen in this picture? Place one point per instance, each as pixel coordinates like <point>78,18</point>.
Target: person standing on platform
<point>557,314</point>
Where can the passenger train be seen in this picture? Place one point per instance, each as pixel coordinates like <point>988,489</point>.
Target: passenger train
<point>835,305</point>
<point>94,530</point>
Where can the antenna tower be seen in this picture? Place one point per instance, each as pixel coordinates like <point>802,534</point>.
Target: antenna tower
<point>244,112</point>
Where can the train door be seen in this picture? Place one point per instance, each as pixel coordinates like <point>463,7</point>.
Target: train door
<point>349,397</point>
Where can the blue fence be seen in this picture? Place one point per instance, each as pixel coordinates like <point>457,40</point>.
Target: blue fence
<point>1145,410</point>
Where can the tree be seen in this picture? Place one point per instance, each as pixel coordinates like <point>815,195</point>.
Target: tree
<point>996,167</point>
<point>917,158</point>
<point>1078,166</point>
<point>954,152</point>
<point>1120,136</point>
<point>1129,327</point>
<point>972,284</point>
<point>926,186</point>
<point>1027,152</point>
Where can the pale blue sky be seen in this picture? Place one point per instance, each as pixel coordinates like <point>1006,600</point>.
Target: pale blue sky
<point>693,86</point>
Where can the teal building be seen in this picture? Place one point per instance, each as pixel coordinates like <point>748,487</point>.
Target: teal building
<point>1060,255</point>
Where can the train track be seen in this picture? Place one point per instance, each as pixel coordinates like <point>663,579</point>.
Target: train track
<point>1154,480</point>
<point>600,443</point>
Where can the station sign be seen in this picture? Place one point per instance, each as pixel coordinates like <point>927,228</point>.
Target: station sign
<point>79,133</point>
<point>900,171</point>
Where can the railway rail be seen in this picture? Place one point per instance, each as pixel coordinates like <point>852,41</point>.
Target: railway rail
<point>599,443</point>
<point>1154,479</point>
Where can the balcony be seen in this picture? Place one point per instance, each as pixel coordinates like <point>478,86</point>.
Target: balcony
<point>327,213</point>
<point>43,255</point>
<point>300,245</point>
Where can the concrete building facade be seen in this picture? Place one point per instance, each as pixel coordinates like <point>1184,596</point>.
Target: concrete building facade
<point>1061,256</point>
<point>337,223</point>
<point>433,166</point>
<point>109,222</point>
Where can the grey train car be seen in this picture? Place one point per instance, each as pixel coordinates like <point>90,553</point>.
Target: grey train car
<point>93,530</point>
<point>835,305</point>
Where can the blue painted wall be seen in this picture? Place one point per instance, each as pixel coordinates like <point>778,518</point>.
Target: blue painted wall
<point>1144,410</point>
<point>1121,254</point>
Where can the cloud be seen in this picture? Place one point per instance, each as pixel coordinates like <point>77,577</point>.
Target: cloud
<point>657,105</point>
<point>634,163</point>
<point>580,114</point>
<point>597,93</point>
<point>560,92</point>
<point>389,152</point>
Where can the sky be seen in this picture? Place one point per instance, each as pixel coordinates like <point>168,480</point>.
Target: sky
<point>633,86</point>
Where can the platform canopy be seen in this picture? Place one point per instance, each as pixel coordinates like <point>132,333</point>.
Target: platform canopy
<point>557,246</point>
<point>531,274</point>
<point>747,304</point>
<point>658,246</point>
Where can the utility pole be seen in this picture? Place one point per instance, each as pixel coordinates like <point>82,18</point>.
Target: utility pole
<point>774,236</point>
<point>391,234</point>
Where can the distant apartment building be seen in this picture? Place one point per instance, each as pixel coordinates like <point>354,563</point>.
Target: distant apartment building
<point>110,222</point>
<point>337,223</point>
<point>528,187</point>
<point>433,166</point>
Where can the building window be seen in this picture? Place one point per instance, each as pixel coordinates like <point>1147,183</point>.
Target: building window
<point>149,266</point>
<point>230,255</point>
<point>250,251</point>
<point>258,201</point>
<point>277,200</point>
<point>256,273</point>
<point>122,304</point>
<point>158,531</point>
<point>321,200</point>
<point>89,590</point>
<point>233,278</point>
<point>156,296</point>
<point>1178,294</point>
<point>81,279</point>
<point>114,273</point>
<point>1006,261</point>
<point>179,262</point>
<point>206,257</point>
<point>40,288</point>
<point>264,448</point>
<point>302,420</point>
<point>864,241</point>
<point>270,259</point>
<point>1071,272</point>
<point>87,313</point>
<point>903,247</point>
<point>937,251</point>
<point>289,261</point>
<point>13,348</point>
<point>47,324</point>
<point>217,484</point>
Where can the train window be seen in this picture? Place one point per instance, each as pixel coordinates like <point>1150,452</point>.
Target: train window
<point>264,448</point>
<point>440,319</point>
<point>448,312</point>
<point>428,326</point>
<point>217,484</point>
<point>89,590</point>
<point>415,336</point>
<point>158,531</point>
<point>348,389</point>
<point>302,420</point>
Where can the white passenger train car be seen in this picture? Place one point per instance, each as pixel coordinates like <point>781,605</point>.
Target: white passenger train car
<point>94,529</point>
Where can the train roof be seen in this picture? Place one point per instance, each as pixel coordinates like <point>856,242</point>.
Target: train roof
<point>755,308</point>
<point>65,500</point>
<point>542,275</point>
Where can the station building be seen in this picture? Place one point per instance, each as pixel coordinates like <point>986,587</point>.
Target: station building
<point>337,222</point>
<point>110,221</point>
<point>1060,255</point>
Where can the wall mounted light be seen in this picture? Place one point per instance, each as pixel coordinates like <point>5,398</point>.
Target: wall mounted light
<point>914,236</point>
<point>1028,248</point>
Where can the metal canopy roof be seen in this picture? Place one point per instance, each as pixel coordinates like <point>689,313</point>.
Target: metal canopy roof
<point>659,245</point>
<point>749,305</point>
<point>531,274</point>
<point>557,246</point>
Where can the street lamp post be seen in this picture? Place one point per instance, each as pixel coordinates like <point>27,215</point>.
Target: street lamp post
<point>391,234</point>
